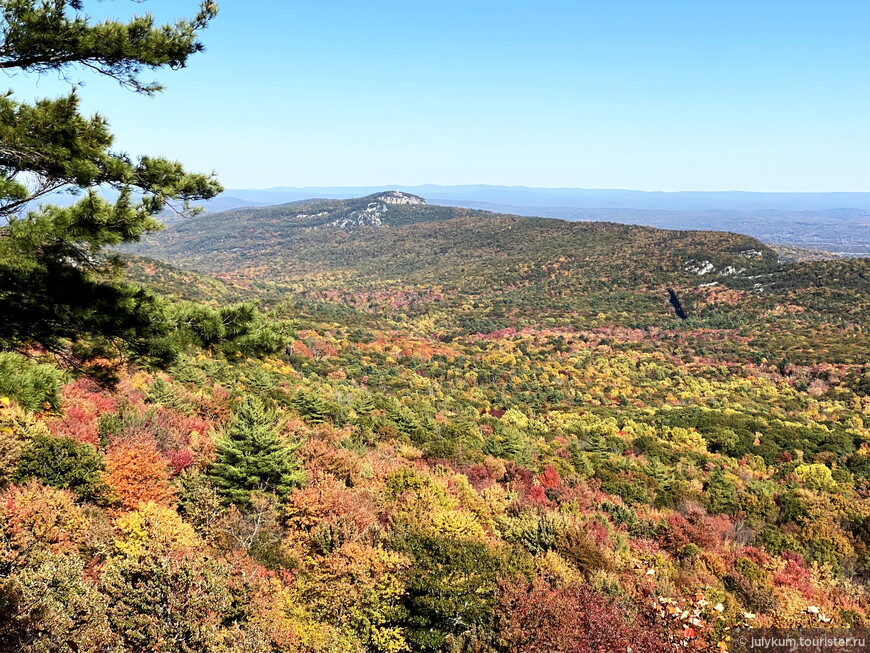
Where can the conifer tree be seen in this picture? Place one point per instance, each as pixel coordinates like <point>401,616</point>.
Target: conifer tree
<point>252,457</point>
<point>599,447</point>
<point>664,476</point>
<point>58,290</point>
<point>365,405</point>
<point>508,442</point>
<point>312,406</point>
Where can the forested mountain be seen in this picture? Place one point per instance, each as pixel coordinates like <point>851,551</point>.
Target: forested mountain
<point>812,220</point>
<point>449,270</point>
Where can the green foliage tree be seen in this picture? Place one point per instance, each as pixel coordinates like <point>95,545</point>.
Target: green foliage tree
<point>63,463</point>
<point>721,493</point>
<point>252,456</point>
<point>365,405</point>
<point>231,330</point>
<point>450,588</point>
<point>312,406</point>
<point>58,289</point>
<point>176,603</point>
<point>508,442</point>
<point>52,607</point>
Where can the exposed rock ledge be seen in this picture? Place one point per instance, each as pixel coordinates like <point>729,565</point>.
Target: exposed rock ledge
<point>398,197</point>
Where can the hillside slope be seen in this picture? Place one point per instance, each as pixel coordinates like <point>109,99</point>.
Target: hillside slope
<point>394,243</point>
<point>449,271</point>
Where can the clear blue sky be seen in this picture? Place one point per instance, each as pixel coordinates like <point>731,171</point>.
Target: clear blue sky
<point>770,95</point>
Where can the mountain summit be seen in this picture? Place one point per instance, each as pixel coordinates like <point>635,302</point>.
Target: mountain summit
<point>398,197</point>
<point>371,215</point>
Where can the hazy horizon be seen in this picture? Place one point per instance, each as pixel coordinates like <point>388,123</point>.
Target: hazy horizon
<point>576,197</point>
<point>279,187</point>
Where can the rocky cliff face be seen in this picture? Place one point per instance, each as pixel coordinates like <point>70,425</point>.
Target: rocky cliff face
<point>371,215</point>
<point>398,197</point>
<point>367,217</point>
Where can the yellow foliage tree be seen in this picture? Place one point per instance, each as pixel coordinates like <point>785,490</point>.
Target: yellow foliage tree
<point>357,588</point>
<point>153,528</point>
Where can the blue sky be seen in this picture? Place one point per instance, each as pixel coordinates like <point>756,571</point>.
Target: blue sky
<point>768,95</point>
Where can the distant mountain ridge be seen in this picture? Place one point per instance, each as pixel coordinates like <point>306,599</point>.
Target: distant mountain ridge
<point>393,247</point>
<point>580,197</point>
<point>844,232</point>
<point>392,261</point>
<point>835,222</point>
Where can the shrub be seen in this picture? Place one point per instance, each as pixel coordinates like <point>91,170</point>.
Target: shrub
<point>752,584</point>
<point>816,477</point>
<point>535,618</point>
<point>137,473</point>
<point>537,533</point>
<point>581,550</point>
<point>35,517</point>
<point>154,529</point>
<point>16,427</point>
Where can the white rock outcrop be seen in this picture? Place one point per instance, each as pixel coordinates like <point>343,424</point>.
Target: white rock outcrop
<point>371,215</point>
<point>699,267</point>
<point>398,197</point>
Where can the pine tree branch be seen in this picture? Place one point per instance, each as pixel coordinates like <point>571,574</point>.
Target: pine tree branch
<point>51,61</point>
<point>5,209</point>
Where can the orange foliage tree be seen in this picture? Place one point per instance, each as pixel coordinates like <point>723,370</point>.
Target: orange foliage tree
<point>138,473</point>
<point>37,517</point>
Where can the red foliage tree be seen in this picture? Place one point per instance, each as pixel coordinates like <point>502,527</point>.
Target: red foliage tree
<point>82,407</point>
<point>795,574</point>
<point>549,478</point>
<point>534,617</point>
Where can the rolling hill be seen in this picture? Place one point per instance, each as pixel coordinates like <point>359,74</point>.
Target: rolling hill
<point>449,270</point>
<point>835,222</point>
<point>396,243</point>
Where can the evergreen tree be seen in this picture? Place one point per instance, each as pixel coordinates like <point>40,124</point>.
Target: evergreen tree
<point>599,447</point>
<point>508,442</point>
<point>365,405</point>
<point>406,422</point>
<point>252,457</point>
<point>58,290</point>
<point>450,588</point>
<point>237,330</point>
<point>664,477</point>
<point>310,405</point>
<point>32,385</point>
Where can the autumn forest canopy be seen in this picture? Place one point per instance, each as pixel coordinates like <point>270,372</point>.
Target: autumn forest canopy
<point>382,425</point>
